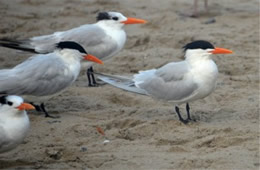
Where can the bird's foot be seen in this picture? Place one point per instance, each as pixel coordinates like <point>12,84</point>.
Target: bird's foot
<point>192,120</point>
<point>46,113</point>
<point>96,84</point>
<point>185,121</point>
<point>50,116</point>
<point>93,84</point>
<point>41,108</point>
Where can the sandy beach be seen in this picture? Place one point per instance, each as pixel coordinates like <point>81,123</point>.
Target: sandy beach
<point>144,133</point>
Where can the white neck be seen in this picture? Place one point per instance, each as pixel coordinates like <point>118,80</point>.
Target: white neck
<point>71,60</point>
<point>69,56</point>
<point>194,57</point>
<point>116,32</point>
<point>110,24</point>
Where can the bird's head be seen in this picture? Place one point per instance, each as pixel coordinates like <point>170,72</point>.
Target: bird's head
<point>117,19</point>
<point>13,105</point>
<point>73,48</point>
<point>202,49</point>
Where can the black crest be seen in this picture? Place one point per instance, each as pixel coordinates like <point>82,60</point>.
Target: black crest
<point>3,100</point>
<point>200,44</point>
<point>71,45</point>
<point>103,16</point>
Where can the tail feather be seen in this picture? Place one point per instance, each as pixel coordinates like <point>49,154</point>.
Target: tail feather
<point>122,82</point>
<point>16,44</point>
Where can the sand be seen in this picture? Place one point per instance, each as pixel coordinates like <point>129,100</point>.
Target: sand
<point>144,133</point>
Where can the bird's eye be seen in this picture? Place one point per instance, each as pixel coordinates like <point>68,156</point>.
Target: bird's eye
<point>115,18</point>
<point>10,103</point>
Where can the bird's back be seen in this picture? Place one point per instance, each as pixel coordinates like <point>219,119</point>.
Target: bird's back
<point>90,36</point>
<point>38,76</point>
<point>170,82</point>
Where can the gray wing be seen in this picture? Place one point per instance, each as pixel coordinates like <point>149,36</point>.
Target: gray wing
<point>90,36</point>
<point>170,82</point>
<point>173,71</point>
<point>39,75</point>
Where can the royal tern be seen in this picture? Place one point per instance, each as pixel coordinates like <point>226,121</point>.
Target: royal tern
<point>103,39</point>
<point>178,82</point>
<point>44,75</point>
<point>14,122</point>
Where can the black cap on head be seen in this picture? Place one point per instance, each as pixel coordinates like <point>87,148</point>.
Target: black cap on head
<point>103,16</point>
<point>71,45</point>
<point>3,100</point>
<point>199,44</point>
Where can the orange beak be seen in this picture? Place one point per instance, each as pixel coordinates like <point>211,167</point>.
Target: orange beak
<point>93,59</point>
<point>134,21</point>
<point>221,51</point>
<point>25,106</point>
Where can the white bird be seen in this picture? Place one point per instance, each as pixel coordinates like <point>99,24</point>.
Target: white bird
<point>178,82</point>
<point>103,39</point>
<point>14,122</point>
<point>45,74</point>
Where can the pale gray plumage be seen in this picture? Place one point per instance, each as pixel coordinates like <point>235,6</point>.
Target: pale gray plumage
<point>44,75</point>
<point>91,37</point>
<point>39,75</point>
<point>174,87</point>
<point>102,39</point>
<point>122,82</point>
<point>178,82</point>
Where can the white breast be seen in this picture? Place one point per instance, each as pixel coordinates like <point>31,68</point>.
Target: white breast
<point>119,36</point>
<point>16,129</point>
<point>205,75</point>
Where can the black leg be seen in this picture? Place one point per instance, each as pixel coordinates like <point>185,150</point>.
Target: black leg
<point>41,108</point>
<point>37,107</point>
<point>188,111</point>
<point>46,113</point>
<point>179,115</point>
<point>91,78</point>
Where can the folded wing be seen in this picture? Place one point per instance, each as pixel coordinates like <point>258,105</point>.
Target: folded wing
<point>36,76</point>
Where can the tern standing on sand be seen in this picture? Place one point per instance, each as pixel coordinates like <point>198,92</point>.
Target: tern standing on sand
<point>103,39</point>
<point>177,82</point>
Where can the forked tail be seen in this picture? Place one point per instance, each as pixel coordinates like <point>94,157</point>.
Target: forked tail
<point>122,82</point>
